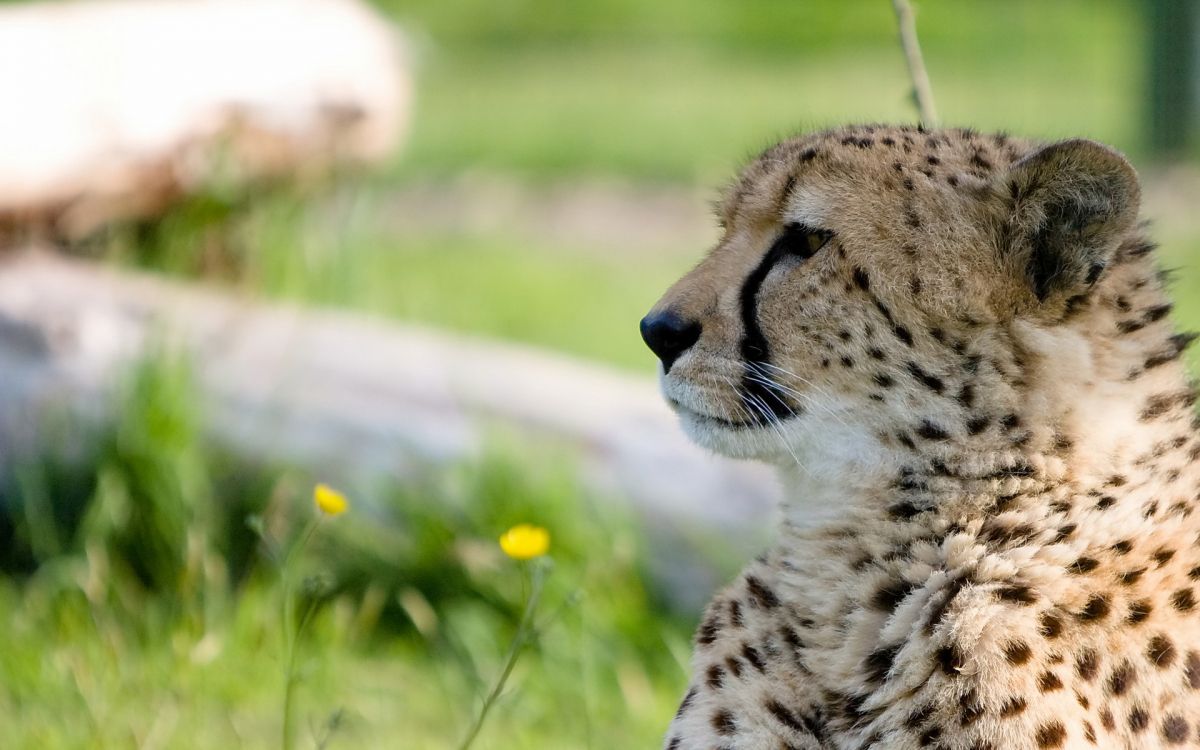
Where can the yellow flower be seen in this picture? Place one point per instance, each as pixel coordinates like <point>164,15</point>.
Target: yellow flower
<point>329,501</point>
<point>525,541</point>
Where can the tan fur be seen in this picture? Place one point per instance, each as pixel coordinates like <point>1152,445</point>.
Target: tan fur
<point>989,538</point>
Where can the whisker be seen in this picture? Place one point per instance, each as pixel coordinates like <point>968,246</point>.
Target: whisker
<point>808,397</point>
<point>773,421</point>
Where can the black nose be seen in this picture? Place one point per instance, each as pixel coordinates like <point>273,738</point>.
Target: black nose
<point>669,336</point>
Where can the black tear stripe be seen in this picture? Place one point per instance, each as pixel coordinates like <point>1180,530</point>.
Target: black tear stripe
<point>754,347</point>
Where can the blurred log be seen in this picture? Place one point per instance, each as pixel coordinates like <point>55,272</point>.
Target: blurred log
<point>357,397</point>
<point>117,108</point>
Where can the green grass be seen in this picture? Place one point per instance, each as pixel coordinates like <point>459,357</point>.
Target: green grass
<point>584,299</point>
<point>685,91</point>
<point>416,603</point>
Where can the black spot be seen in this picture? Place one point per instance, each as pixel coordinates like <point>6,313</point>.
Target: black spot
<point>939,611</point>
<point>1157,313</point>
<point>750,654</point>
<point>1191,670</point>
<point>976,425</point>
<point>686,703</point>
<point>889,596</point>
<point>1051,735</point>
<point>1012,707</point>
<point>1130,326</point>
<point>1097,608</point>
<point>1106,720</point>
<point>784,716</point>
<point>760,595</point>
<point>1138,719</point>
<point>708,631</point>
<point>734,665</point>
<point>971,709</point>
<point>1176,345</point>
<point>919,716</point>
<point>1083,565</point>
<point>879,662</point>
<point>1048,682</point>
<point>723,723</point>
<point>1121,679</point>
<point>791,638</point>
<point>931,431</point>
<point>904,510</point>
<point>950,660</point>
<point>1022,595</point>
<point>861,279</point>
<point>1175,729</point>
<point>932,382</point>
<point>1074,305</point>
<point>930,736</point>
<point>1161,651</point>
<point>715,676</point>
<point>1139,612</point>
<point>735,613</point>
<point>1087,664</point>
<point>1017,652</point>
<point>1130,577</point>
<point>1183,600</point>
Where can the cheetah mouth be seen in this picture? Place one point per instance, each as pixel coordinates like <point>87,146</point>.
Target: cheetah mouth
<point>704,418</point>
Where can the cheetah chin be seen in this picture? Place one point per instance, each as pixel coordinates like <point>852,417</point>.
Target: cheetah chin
<point>958,350</point>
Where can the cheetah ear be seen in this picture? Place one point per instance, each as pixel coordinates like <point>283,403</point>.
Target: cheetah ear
<point>1070,203</point>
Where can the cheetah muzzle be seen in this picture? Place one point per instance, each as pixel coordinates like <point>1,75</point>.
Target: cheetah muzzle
<point>958,350</point>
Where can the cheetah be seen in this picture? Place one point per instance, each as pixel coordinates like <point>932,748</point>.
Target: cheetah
<point>958,351</point>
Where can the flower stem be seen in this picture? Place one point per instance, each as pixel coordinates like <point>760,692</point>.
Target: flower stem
<point>292,636</point>
<point>524,630</point>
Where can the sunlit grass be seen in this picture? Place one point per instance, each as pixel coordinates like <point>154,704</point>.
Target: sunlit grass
<point>660,113</point>
<point>413,619</point>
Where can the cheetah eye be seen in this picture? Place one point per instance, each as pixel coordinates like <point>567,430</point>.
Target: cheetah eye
<point>801,240</point>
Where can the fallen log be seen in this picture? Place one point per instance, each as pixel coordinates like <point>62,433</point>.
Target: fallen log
<point>354,396</point>
<point>117,108</point>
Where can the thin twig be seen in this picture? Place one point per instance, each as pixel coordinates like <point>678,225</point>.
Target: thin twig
<point>922,91</point>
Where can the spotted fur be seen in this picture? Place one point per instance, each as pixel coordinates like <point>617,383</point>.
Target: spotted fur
<point>974,393</point>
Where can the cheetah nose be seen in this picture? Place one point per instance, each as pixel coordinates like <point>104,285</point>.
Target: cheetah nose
<point>669,336</point>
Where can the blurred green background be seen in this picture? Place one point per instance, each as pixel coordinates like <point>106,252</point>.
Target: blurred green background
<point>555,182</point>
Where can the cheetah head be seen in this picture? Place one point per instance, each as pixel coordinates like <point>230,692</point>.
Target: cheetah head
<point>868,274</point>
